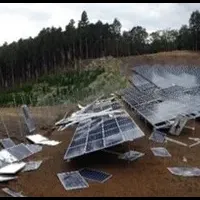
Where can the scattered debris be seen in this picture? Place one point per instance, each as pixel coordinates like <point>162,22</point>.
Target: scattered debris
<point>131,155</point>
<point>178,124</point>
<point>32,165</point>
<point>184,159</point>
<point>160,151</point>
<point>12,192</point>
<point>176,141</point>
<point>7,143</point>
<point>194,139</point>
<point>72,180</point>
<point>185,171</point>
<point>94,175</point>
<point>195,144</point>
<point>28,119</point>
<point>12,168</point>
<point>7,157</point>
<point>4,178</point>
<point>39,139</point>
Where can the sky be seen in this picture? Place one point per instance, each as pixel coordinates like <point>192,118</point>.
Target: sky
<point>22,20</point>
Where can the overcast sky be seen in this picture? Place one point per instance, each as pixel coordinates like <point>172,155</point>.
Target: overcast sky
<point>21,20</point>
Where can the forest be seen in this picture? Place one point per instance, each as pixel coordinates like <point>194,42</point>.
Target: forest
<point>54,49</point>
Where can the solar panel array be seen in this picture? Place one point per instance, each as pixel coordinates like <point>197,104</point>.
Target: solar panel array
<point>171,91</point>
<point>102,132</point>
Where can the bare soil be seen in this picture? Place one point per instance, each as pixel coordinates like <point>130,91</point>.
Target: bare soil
<point>147,176</point>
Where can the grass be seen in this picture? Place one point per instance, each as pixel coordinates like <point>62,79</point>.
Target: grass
<point>99,77</point>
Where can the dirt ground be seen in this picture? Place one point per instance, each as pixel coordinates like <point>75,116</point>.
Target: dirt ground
<point>147,176</point>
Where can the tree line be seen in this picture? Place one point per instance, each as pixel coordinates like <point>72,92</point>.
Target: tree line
<point>53,48</point>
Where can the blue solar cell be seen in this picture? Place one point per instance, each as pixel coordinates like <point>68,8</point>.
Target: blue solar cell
<point>94,145</point>
<point>95,137</point>
<point>94,175</point>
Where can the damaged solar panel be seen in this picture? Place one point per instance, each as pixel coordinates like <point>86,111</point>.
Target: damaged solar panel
<point>177,91</point>
<point>72,180</point>
<point>102,132</point>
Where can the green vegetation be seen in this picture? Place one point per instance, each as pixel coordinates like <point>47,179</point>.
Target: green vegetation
<point>101,76</point>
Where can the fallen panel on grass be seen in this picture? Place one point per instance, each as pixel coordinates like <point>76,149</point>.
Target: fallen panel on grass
<point>72,180</point>
<point>185,171</point>
<point>4,178</point>
<point>12,193</point>
<point>32,165</point>
<point>160,151</point>
<point>131,155</point>
<point>94,175</point>
<point>12,168</point>
<point>28,119</point>
<point>20,151</point>
<point>39,139</point>
<point>7,143</point>
<point>157,136</point>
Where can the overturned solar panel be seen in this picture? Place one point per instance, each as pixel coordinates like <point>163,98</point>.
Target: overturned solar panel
<point>131,155</point>
<point>160,151</point>
<point>185,171</point>
<point>39,139</point>
<point>12,168</point>
<point>12,192</point>
<point>7,143</point>
<point>32,165</point>
<point>102,132</point>
<point>94,175</point>
<point>28,119</point>
<point>72,180</point>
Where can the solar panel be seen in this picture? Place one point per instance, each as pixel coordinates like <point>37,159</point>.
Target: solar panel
<point>6,157</point>
<point>94,175</point>
<point>109,131</point>
<point>20,151</point>
<point>12,168</point>
<point>72,180</point>
<point>177,91</point>
<point>28,119</point>
<point>157,136</point>
<point>34,148</point>
<point>32,165</point>
<point>160,151</point>
<point>7,143</point>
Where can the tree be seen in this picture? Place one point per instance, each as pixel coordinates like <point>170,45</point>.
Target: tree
<point>194,23</point>
<point>84,20</point>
